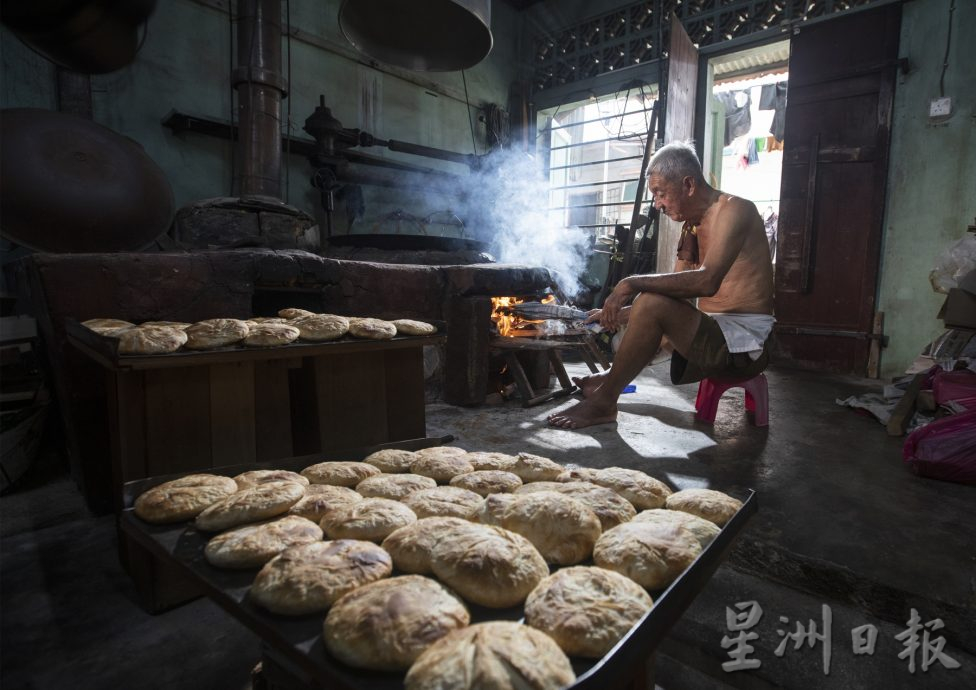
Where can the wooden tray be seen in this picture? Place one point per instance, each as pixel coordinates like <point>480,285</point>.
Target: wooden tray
<point>297,641</point>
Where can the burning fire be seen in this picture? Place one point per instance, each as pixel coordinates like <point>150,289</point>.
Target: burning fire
<point>507,323</point>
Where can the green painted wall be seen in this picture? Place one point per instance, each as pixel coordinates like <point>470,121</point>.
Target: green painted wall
<point>931,195</point>
<point>185,65</point>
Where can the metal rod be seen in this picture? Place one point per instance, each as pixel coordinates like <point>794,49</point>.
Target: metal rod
<point>603,184</point>
<point>608,160</point>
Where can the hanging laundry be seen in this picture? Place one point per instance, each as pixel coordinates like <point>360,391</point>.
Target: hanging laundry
<point>738,118</point>
<point>773,97</point>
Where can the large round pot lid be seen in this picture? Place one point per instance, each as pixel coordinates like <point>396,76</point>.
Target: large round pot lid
<point>70,185</point>
<point>428,36</point>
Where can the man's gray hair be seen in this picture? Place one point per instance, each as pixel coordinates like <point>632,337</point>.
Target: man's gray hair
<point>675,161</point>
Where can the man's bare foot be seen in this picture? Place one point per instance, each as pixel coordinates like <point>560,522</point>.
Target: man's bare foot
<point>583,414</point>
<point>588,384</point>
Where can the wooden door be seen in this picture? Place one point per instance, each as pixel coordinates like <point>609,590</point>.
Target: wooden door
<point>679,124</point>
<point>835,163</point>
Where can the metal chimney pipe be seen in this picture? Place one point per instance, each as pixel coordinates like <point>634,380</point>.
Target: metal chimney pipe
<point>260,87</point>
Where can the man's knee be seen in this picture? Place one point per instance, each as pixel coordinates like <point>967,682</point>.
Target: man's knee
<point>654,306</point>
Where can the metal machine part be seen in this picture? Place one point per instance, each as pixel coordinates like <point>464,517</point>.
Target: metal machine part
<point>429,36</point>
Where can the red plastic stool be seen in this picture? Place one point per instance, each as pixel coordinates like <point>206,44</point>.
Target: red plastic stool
<point>757,398</point>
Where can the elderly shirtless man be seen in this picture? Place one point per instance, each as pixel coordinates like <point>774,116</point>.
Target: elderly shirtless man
<point>723,260</point>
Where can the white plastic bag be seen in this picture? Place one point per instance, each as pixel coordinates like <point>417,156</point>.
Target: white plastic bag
<point>953,264</point>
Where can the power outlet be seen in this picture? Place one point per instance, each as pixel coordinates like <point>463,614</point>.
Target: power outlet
<point>940,108</point>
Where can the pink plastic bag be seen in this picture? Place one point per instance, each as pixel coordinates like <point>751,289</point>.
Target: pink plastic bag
<point>944,449</point>
<point>958,386</point>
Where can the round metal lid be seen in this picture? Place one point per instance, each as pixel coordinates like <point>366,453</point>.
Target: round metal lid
<point>429,36</point>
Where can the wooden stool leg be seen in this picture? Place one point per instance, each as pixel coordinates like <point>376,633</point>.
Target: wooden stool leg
<point>560,369</point>
<point>518,373</point>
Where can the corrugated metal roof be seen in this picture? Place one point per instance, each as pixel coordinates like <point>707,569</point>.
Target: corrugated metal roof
<point>753,59</point>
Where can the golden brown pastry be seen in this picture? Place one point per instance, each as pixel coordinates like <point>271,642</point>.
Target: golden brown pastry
<point>247,480</point>
<point>641,489</point>
<point>491,461</point>
<point>610,507</point>
<point>271,334</point>
<point>443,501</point>
<point>704,530</point>
<point>437,451</point>
<point>150,340</point>
<point>311,577</point>
<point>711,505</point>
<point>651,554</point>
<point>321,327</point>
<point>294,313</point>
<point>410,546</point>
<point>183,498</point>
<point>535,468</point>
<point>250,505</point>
<point>251,546</point>
<point>339,473</point>
<point>372,519</point>
<point>372,329</point>
<point>391,461</point>
<point>498,655</point>
<point>213,333</point>
<point>108,327</point>
<point>488,482</point>
<point>492,509</point>
<point>385,625</point>
<point>441,469</point>
<point>182,325</point>
<point>411,327</point>
<point>562,528</point>
<point>586,610</point>
<point>319,499</point>
<point>395,486</point>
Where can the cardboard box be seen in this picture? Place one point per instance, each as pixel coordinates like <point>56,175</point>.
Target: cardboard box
<point>959,310</point>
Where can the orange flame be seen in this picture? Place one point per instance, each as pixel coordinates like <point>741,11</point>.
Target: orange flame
<point>507,323</point>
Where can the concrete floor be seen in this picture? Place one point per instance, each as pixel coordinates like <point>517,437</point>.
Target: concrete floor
<point>841,524</point>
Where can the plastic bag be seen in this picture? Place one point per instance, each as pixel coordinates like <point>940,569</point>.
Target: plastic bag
<point>944,449</point>
<point>954,263</point>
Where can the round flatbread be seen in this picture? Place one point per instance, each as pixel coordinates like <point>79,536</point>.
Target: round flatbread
<point>438,451</point>
<point>441,468</point>
<point>651,554</point>
<point>372,329</point>
<point>108,327</point>
<point>211,333</point>
<point>488,482</point>
<point>150,340</point>
<point>251,546</point>
<point>339,473</point>
<point>321,327</point>
<point>711,505</point>
<point>183,498</point>
<point>311,577</point>
<point>372,519</point>
<point>247,480</point>
<point>294,313</point>
<point>610,507</point>
<point>489,566</point>
<point>500,655</point>
<point>319,499</point>
<point>586,610</point>
<point>704,530</point>
<point>535,468</point>
<point>641,489</point>
<point>266,319</point>
<point>411,327</point>
<point>410,546</point>
<point>391,461</point>
<point>182,325</point>
<point>492,509</point>
<point>250,505</point>
<point>562,528</point>
<point>271,334</point>
<point>394,486</point>
<point>491,461</point>
<point>385,625</point>
<point>446,501</point>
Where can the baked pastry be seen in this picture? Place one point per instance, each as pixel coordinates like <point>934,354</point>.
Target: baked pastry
<point>211,333</point>
<point>411,327</point>
<point>651,554</point>
<point>385,625</point>
<point>183,498</point>
<point>441,468</point>
<point>447,501</point>
<point>488,482</point>
<point>437,451</point>
<point>251,546</point>
<point>247,480</point>
<point>319,499</point>
<point>182,325</point>
<point>586,610</point>
<point>712,505</point>
<point>535,468</point>
<point>311,577</point>
<point>562,528</point>
<point>294,313</point>
<point>266,319</point>
<point>373,329</point>
<point>250,505</point>
<point>704,530</point>
<point>391,461</point>
<point>150,340</point>
<point>271,334</point>
<point>372,519</point>
<point>610,507</point>
<point>492,509</point>
<point>491,461</point>
<point>641,489</point>
<point>321,327</point>
<point>339,473</point>
<point>394,486</point>
<point>489,566</point>
<point>108,327</point>
<point>410,546</point>
<point>500,655</point>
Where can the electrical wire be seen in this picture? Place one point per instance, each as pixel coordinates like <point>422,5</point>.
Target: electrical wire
<point>945,59</point>
<point>467,105</point>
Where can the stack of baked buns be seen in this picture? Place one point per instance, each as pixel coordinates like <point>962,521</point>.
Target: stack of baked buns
<point>395,551</point>
<point>163,337</point>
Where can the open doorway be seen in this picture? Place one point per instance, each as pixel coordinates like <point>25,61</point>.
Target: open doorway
<point>744,127</point>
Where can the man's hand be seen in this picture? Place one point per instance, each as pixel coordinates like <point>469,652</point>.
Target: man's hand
<point>611,317</point>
